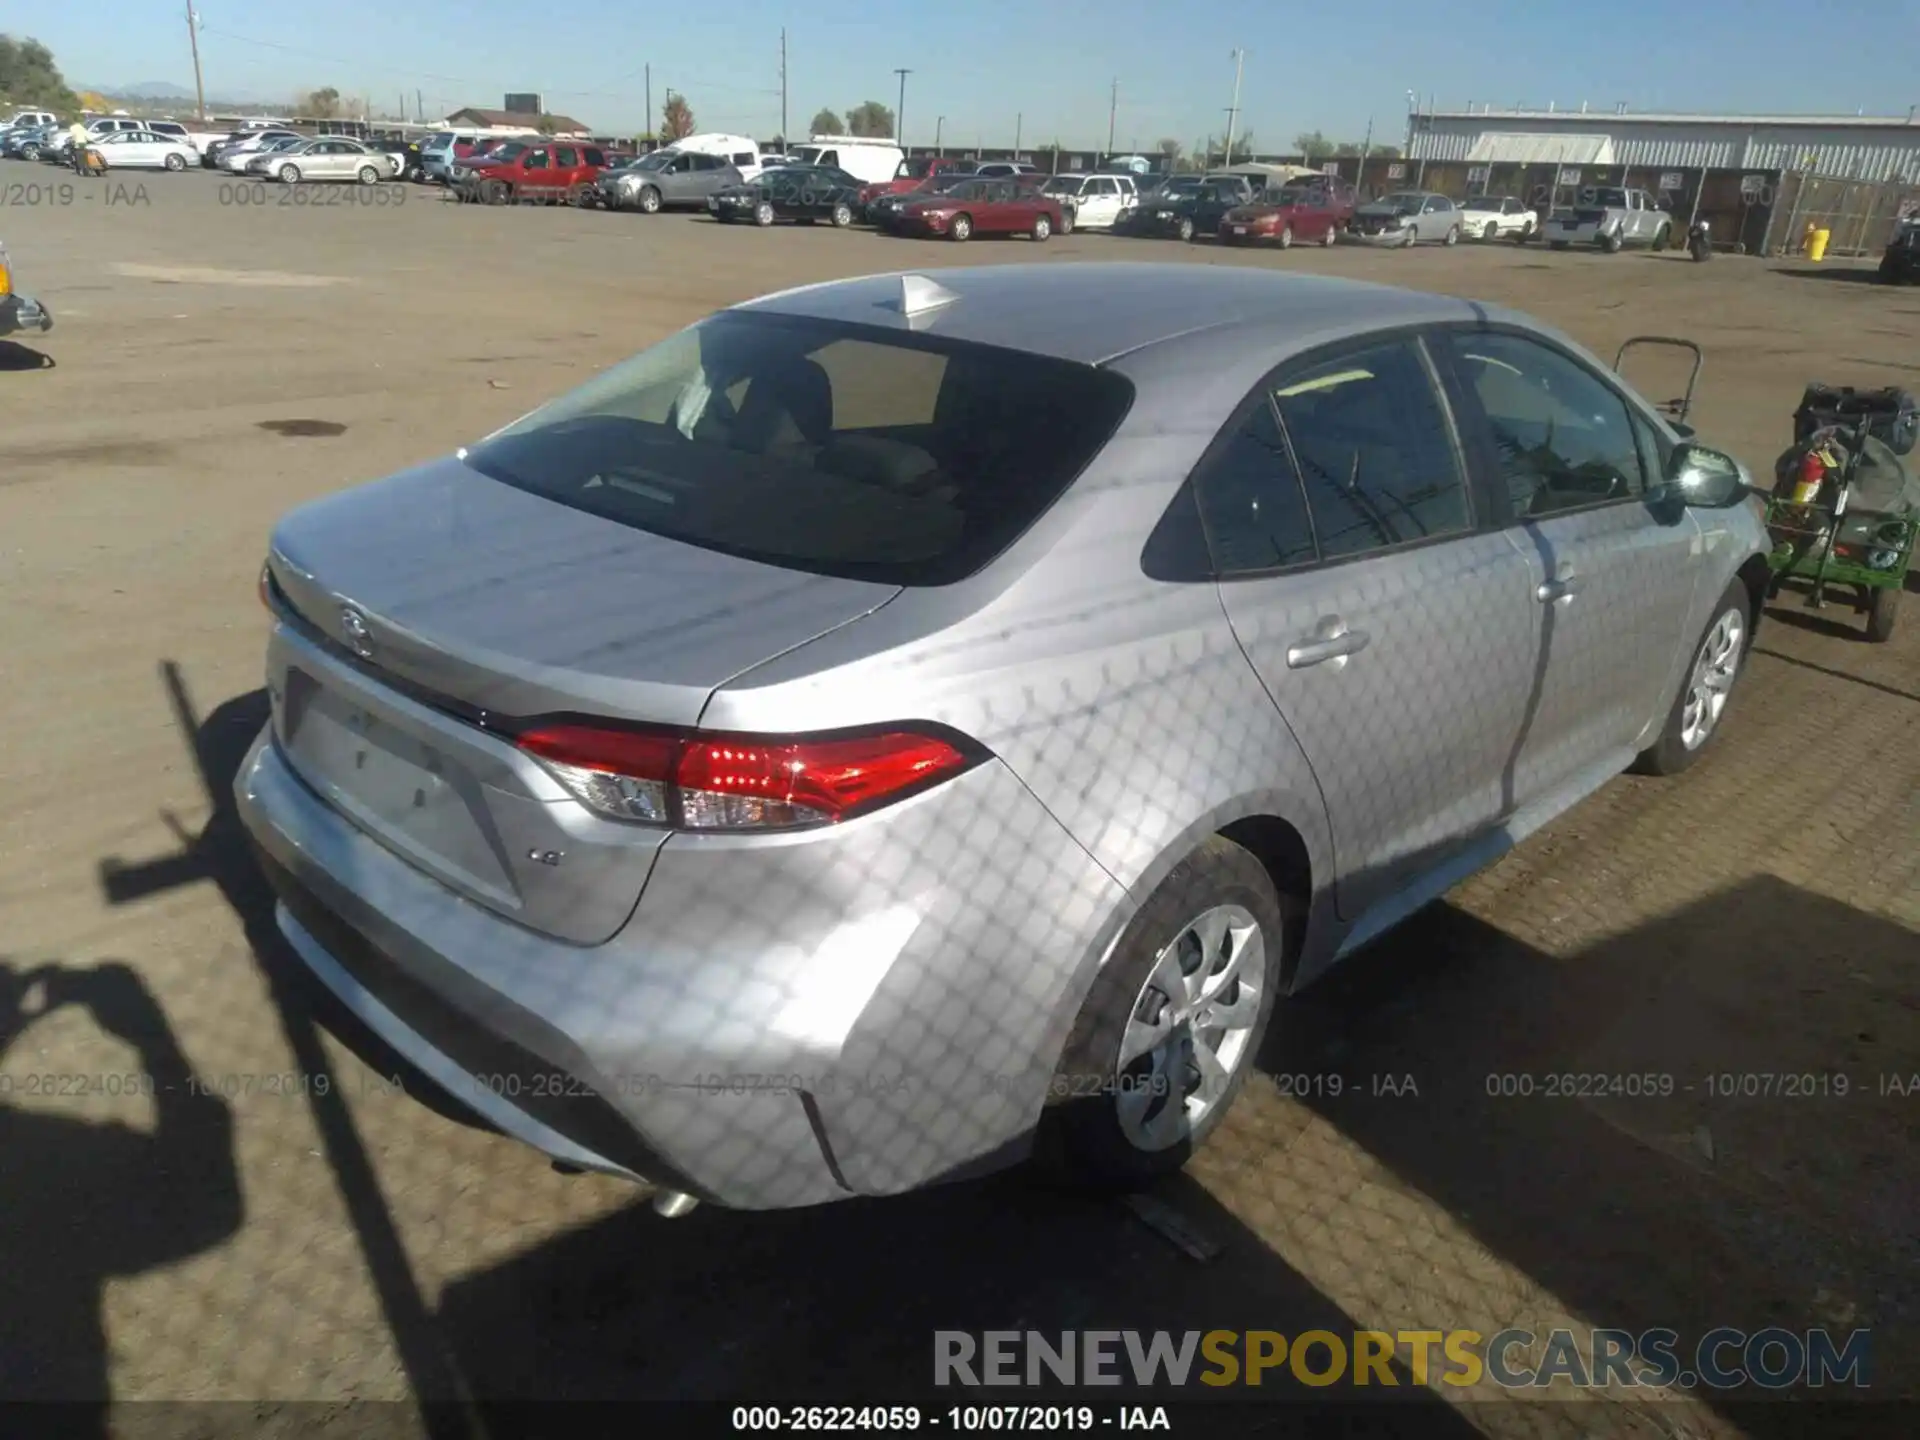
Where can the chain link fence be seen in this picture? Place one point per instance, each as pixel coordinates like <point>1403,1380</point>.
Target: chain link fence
<point>1858,215</point>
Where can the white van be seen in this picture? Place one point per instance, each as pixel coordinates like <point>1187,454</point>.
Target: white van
<point>737,150</point>
<point>874,161</point>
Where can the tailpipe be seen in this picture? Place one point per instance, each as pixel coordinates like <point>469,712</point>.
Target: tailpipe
<point>672,1204</point>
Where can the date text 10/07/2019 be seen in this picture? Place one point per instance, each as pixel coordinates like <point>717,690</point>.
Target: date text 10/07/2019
<point>961,1419</point>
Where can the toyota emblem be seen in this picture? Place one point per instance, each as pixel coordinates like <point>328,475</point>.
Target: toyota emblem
<point>359,635</point>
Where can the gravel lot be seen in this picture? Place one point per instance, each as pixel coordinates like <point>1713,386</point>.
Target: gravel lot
<point>278,1245</point>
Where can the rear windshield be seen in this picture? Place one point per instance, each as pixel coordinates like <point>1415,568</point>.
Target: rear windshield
<point>870,454</point>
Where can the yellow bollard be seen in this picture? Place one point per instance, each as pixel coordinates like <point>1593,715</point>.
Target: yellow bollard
<point>1817,246</point>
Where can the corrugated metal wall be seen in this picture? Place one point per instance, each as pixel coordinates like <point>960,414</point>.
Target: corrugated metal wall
<point>1860,153</point>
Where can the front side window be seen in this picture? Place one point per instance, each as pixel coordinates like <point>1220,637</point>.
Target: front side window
<point>1564,437</point>
<point>1375,450</point>
<point>829,448</point>
<point>536,160</point>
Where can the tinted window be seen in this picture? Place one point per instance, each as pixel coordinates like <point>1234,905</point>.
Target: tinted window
<point>536,160</point>
<point>1563,435</point>
<point>596,156</point>
<point>1250,500</point>
<point>900,458</point>
<point>1375,452</point>
<point>745,157</point>
<point>566,155</point>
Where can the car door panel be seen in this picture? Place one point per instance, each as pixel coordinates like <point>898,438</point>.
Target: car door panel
<point>1397,639</point>
<point>1610,569</point>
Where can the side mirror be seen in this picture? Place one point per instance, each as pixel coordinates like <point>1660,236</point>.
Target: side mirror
<point>1705,479</point>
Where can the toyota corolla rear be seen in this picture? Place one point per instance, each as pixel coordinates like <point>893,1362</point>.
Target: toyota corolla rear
<point>763,968</point>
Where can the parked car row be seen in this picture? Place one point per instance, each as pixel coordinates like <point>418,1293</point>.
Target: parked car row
<point>267,153</point>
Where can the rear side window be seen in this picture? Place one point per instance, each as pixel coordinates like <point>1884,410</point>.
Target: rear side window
<point>1375,451</point>
<point>744,157</point>
<point>566,155</point>
<point>835,449</point>
<point>596,156</point>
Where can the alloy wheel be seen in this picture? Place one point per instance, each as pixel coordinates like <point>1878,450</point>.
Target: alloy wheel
<point>1714,671</point>
<point>1188,1033</point>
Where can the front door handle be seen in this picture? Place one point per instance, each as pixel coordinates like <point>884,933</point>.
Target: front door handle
<point>1332,641</point>
<point>1563,587</point>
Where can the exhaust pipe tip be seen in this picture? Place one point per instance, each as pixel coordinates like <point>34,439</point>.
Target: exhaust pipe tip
<point>672,1204</point>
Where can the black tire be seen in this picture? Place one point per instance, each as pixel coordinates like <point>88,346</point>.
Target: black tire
<point>842,216</point>
<point>763,214</point>
<point>175,163</point>
<point>1609,242</point>
<point>960,229</point>
<point>1560,244</point>
<point>498,192</point>
<point>289,174</point>
<point>1491,232</point>
<point>1286,237</point>
<point>1671,754</point>
<point>1453,235</point>
<point>1662,238</point>
<point>1882,610</point>
<point>1185,228</point>
<point>649,201</point>
<point>1080,1141</point>
<point>1042,227</point>
<point>1066,223</point>
<point>1329,237</point>
<point>367,175</point>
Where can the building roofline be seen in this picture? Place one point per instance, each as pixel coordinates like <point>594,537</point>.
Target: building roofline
<point>1677,117</point>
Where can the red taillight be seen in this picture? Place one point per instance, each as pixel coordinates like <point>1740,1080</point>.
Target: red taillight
<point>697,781</point>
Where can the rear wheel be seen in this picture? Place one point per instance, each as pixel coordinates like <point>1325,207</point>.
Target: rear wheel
<point>1066,222</point>
<point>1610,242</point>
<point>1882,610</point>
<point>1169,1031</point>
<point>961,229</point>
<point>498,192</point>
<point>842,216</point>
<point>1695,717</point>
<point>1491,232</point>
<point>1042,227</point>
<point>1661,238</point>
<point>577,196</point>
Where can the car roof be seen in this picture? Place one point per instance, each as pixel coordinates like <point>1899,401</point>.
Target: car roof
<point>1095,312</point>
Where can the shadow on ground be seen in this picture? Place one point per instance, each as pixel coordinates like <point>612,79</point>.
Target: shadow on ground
<point>15,357</point>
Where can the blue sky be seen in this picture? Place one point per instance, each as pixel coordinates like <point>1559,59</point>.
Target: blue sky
<point>981,63</point>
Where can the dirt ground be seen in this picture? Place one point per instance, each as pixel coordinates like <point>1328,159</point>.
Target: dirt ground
<point>274,1244</point>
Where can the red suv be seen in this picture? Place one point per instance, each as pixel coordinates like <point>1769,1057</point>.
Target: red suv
<point>914,173</point>
<point>555,171</point>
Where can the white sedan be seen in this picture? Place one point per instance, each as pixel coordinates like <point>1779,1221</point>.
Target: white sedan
<point>240,159</point>
<point>331,157</point>
<point>144,150</point>
<point>1495,217</point>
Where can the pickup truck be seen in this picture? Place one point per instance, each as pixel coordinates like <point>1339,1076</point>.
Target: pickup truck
<point>1610,217</point>
<point>18,312</point>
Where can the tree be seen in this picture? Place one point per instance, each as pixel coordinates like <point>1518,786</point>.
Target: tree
<point>546,125</point>
<point>322,104</point>
<point>1170,149</point>
<point>676,118</point>
<point>1242,149</point>
<point>1314,147</point>
<point>871,119</point>
<point>28,76</point>
<point>826,123</point>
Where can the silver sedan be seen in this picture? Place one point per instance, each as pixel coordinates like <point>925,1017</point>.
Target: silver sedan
<point>330,157</point>
<point>902,725</point>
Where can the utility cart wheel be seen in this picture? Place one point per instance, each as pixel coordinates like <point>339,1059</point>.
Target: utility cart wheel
<point>1882,610</point>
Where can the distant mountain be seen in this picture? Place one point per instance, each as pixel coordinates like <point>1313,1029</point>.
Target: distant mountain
<point>151,90</point>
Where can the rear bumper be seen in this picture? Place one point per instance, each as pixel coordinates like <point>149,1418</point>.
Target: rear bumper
<point>19,313</point>
<point>781,1023</point>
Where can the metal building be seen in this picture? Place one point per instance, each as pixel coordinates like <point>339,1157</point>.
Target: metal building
<point>1877,149</point>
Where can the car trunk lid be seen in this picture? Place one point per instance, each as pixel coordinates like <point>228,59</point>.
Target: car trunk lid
<point>432,610</point>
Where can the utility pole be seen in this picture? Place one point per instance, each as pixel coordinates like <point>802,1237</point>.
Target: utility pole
<point>1233,111</point>
<point>900,114</point>
<point>939,129</point>
<point>651,128</point>
<point>1113,107</point>
<point>1018,122</point>
<point>784,137</point>
<point>193,39</point>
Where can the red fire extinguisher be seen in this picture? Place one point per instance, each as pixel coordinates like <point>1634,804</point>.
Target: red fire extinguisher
<point>1813,475</point>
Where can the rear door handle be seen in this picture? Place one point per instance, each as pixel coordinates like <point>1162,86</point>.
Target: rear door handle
<point>1564,587</point>
<point>1326,647</point>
